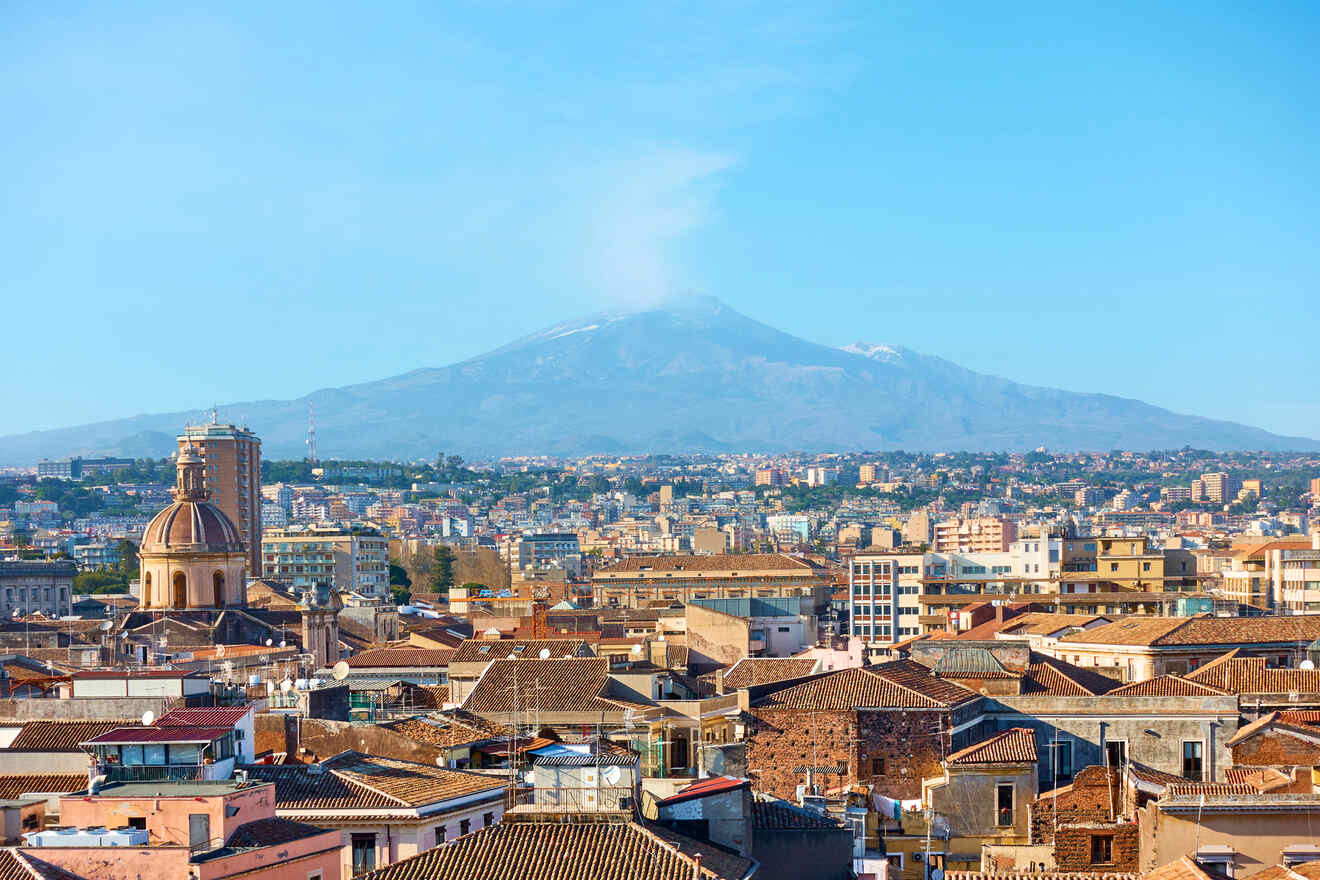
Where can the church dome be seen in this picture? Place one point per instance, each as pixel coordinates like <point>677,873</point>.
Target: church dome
<point>194,527</point>
<point>192,524</point>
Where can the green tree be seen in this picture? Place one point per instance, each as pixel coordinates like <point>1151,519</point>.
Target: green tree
<point>128,558</point>
<point>399,576</point>
<point>442,570</point>
<point>102,580</point>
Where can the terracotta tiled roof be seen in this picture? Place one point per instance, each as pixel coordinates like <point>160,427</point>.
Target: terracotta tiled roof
<point>1262,779</point>
<point>1183,869</point>
<point>742,562</point>
<point>485,650</point>
<point>353,780</point>
<point>17,865</point>
<point>1038,875</point>
<point>1044,623</point>
<point>13,786</point>
<point>1167,686</point>
<point>902,684</point>
<point>1169,631</point>
<point>1273,721</point>
<point>1014,746</point>
<point>774,814</point>
<point>1057,678</point>
<point>601,847</point>
<point>751,671</point>
<point>569,684</point>
<point>1188,788</point>
<point>271,831</point>
<point>60,736</point>
<point>1149,774</point>
<point>401,658</point>
<point>1249,675</point>
<point>1301,871</point>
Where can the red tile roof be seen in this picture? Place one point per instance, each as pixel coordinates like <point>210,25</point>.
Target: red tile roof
<point>353,780</point>
<point>1016,745</point>
<point>1057,678</point>
<point>394,658</point>
<point>566,684</point>
<point>485,650</point>
<point>752,671</point>
<point>1172,631</point>
<point>14,786</point>
<point>1167,686</point>
<point>1250,675</point>
<point>735,562</point>
<point>529,847</point>
<point>897,685</point>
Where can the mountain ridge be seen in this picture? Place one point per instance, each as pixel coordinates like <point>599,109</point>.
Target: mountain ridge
<point>691,376</point>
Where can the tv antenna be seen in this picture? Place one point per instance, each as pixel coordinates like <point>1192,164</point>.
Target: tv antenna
<point>311,435</point>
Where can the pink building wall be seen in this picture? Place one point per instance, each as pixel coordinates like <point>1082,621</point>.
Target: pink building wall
<point>167,817</point>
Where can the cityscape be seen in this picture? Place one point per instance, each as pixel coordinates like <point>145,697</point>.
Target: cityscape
<point>723,441</point>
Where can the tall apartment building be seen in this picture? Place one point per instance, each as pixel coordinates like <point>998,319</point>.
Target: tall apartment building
<point>769,477</point>
<point>1215,488</point>
<point>356,560</point>
<point>884,593</point>
<point>1315,489</point>
<point>233,477</point>
<point>866,473</point>
<point>981,535</point>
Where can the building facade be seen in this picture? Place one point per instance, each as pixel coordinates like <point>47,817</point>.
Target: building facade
<point>350,560</point>
<point>233,477</point>
<point>27,586</point>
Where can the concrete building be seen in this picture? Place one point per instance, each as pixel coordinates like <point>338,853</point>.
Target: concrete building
<point>983,534</point>
<point>720,632</point>
<point>94,555</point>
<point>884,596</point>
<point>28,585</point>
<point>233,477</point>
<point>639,580</point>
<point>349,560</point>
<point>550,550</point>
<point>1215,488</point>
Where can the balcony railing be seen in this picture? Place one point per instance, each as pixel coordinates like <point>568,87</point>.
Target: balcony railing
<point>154,772</point>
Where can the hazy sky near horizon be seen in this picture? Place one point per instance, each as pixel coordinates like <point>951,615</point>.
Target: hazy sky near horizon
<point>250,201</point>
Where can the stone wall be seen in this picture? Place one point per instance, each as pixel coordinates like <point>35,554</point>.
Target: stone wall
<point>323,739</point>
<point>1275,748</point>
<point>892,750</point>
<point>1074,847</point>
<point>1092,797</point>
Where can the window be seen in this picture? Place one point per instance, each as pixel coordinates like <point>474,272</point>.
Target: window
<point>1116,753</point>
<point>465,826</point>
<point>364,853</point>
<point>315,875</point>
<point>1193,760</point>
<point>1004,804</point>
<point>440,832</point>
<point>138,822</point>
<point>487,819</point>
<point>1102,849</point>
<point>1113,566</point>
<point>784,629</point>
<point>1063,759</point>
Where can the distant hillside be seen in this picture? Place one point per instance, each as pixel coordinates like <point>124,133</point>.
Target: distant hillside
<point>695,376</point>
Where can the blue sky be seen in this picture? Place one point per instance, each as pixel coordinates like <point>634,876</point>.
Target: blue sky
<point>256,200</point>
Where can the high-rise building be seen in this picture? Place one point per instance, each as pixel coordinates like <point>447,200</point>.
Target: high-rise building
<point>866,473</point>
<point>232,476</point>
<point>769,477</point>
<point>1315,488</point>
<point>984,534</point>
<point>1216,488</point>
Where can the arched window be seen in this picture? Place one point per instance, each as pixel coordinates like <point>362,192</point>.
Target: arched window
<point>146,589</point>
<point>180,590</point>
<point>218,587</point>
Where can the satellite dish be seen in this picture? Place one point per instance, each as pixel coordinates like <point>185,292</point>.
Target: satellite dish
<point>1306,664</point>
<point>269,643</point>
<point>440,761</point>
<point>636,649</point>
<point>219,650</point>
<point>106,627</point>
<point>148,717</point>
<point>282,643</point>
<point>612,775</point>
<point>286,685</point>
<point>340,671</point>
<point>545,654</point>
<point>937,874</point>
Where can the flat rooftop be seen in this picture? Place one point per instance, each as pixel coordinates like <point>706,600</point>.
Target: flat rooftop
<point>168,788</point>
